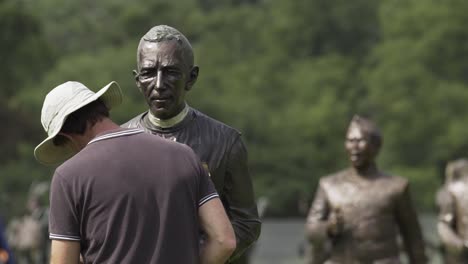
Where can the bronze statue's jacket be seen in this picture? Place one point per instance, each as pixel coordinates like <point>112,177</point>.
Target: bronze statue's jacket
<point>374,211</point>
<point>222,151</point>
<point>453,220</point>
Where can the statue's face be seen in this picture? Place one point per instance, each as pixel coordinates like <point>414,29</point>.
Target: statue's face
<point>164,77</point>
<point>360,149</point>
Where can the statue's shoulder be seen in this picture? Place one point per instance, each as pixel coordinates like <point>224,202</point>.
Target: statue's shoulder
<point>398,183</point>
<point>457,187</point>
<point>335,178</point>
<point>203,120</point>
<point>134,122</point>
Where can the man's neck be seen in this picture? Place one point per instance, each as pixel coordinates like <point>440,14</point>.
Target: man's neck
<point>101,126</point>
<point>166,123</point>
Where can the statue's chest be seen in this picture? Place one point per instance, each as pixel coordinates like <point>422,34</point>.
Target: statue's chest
<point>362,198</point>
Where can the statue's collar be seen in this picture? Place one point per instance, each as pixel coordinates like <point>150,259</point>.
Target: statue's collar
<point>168,123</point>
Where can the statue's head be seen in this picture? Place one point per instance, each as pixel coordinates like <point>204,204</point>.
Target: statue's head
<point>363,142</point>
<point>456,170</point>
<point>165,70</point>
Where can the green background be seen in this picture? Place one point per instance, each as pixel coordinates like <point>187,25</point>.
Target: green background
<point>288,74</point>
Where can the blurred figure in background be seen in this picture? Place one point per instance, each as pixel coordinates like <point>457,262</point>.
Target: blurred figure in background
<point>165,74</point>
<point>361,211</point>
<point>452,201</point>
<point>6,255</point>
<point>28,235</point>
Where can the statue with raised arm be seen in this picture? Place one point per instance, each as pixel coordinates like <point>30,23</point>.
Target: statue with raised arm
<point>361,211</point>
<point>452,201</point>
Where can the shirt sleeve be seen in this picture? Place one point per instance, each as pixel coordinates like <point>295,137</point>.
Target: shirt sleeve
<point>206,187</point>
<point>63,216</point>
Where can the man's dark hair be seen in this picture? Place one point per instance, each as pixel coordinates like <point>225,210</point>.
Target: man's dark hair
<point>78,121</point>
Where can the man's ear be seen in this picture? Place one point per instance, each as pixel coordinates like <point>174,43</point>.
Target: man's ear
<point>193,76</point>
<point>70,141</point>
<point>137,79</point>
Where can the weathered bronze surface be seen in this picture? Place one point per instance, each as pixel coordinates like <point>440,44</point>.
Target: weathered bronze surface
<point>359,212</point>
<point>165,74</point>
<point>452,200</point>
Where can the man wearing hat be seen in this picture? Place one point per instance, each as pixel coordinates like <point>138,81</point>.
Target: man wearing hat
<point>165,74</point>
<point>124,196</point>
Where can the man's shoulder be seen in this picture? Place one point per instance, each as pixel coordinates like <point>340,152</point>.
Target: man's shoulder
<point>68,168</point>
<point>92,154</point>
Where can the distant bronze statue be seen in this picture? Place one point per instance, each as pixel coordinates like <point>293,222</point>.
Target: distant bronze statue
<point>359,212</point>
<point>452,201</point>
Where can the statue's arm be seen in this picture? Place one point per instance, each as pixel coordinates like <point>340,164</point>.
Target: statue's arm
<point>239,197</point>
<point>317,219</point>
<point>446,223</point>
<point>410,229</point>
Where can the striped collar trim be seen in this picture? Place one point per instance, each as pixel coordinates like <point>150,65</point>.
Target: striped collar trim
<point>121,133</point>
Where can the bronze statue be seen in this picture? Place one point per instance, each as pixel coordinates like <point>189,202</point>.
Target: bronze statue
<point>165,74</point>
<point>452,201</point>
<point>359,212</point>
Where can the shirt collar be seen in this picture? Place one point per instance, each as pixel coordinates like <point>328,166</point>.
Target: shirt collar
<point>116,133</point>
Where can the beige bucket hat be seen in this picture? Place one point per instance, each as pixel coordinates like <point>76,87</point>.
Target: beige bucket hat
<point>58,105</point>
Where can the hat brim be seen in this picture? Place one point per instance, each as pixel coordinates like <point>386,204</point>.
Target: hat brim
<point>48,153</point>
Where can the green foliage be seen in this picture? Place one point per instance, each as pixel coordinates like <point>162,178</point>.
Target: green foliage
<point>17,178</point>
<point>95,71</point>
<point>24,55</point>
<point>423,182</point>
<point>288,74</point>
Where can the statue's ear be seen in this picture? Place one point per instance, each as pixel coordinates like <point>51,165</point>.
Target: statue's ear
<point>136,75</point>
<point>193,76</point>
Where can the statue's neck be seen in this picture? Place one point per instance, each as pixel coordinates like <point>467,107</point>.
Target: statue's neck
<point>368,171</point>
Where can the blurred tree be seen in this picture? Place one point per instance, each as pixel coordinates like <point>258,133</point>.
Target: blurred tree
<point>288,74</point>
<point>23,50</point>
<point>316,27</point>
<point>25,57</point>
<point>416,79</point>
